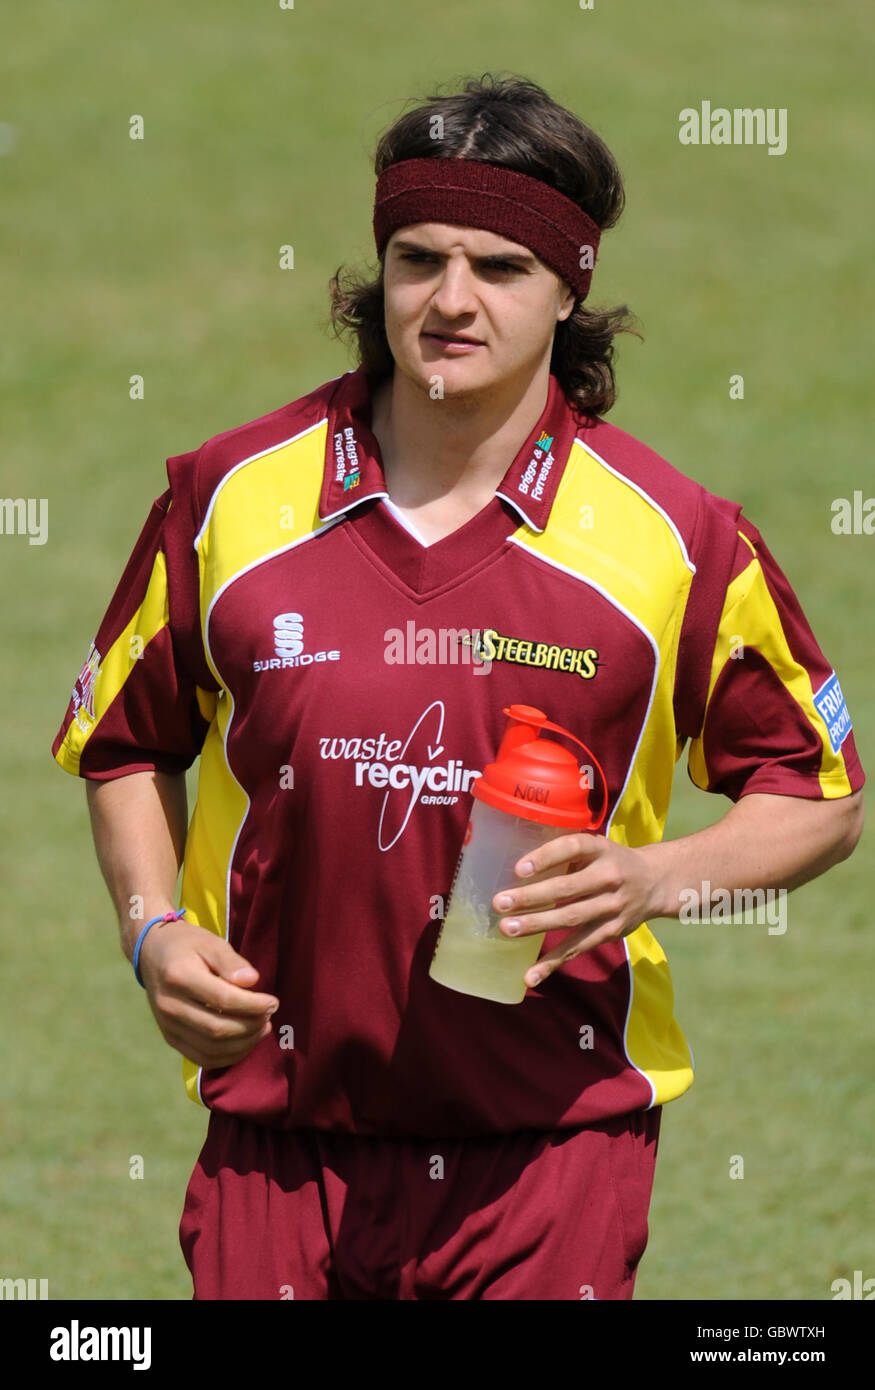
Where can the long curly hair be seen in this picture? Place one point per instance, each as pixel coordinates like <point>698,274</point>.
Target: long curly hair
<point>512,122</point>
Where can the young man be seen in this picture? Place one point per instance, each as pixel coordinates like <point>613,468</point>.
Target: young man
<point>373,1134</point>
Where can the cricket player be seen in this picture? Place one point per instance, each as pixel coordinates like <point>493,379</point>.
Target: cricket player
<point>331,607</point>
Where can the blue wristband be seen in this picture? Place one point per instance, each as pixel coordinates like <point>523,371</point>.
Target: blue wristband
<point>167,917</point>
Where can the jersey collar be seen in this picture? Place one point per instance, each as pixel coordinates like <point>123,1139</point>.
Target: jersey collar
<point>353,472</point>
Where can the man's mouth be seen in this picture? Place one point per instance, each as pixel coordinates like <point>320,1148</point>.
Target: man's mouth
<point>454,338</point>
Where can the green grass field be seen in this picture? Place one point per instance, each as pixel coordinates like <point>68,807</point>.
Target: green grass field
<point>160,257</point>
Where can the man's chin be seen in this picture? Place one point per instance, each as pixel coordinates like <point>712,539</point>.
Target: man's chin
<point>450,379</point>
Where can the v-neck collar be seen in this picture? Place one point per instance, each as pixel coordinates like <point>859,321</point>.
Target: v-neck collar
<point>426,570</point>
<point>353,471</point>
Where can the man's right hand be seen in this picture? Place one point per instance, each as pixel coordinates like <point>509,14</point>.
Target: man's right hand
<point>200,991</point>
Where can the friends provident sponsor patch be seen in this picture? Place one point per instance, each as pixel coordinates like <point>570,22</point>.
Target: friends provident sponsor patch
<point>830,704</point>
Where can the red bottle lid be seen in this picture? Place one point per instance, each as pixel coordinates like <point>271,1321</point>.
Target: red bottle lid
<point>538,779</point>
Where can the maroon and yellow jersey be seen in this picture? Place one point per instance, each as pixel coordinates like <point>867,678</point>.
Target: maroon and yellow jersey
<point>343,684</point>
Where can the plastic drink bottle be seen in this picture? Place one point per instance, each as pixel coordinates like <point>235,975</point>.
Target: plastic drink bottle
<point>533,792</point>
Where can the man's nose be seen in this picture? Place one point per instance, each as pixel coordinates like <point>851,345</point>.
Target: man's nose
<point>455,295</point>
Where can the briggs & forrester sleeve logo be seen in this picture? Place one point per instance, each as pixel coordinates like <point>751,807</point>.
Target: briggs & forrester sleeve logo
<point>83,690</point>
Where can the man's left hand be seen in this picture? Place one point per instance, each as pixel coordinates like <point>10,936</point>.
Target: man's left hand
<point>606,893</point>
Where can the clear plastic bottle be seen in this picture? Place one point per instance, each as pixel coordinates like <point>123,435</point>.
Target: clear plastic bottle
<point>533,792</point>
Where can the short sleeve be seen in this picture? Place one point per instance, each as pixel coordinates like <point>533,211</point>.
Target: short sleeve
<point>144,697</point>
<point>775,718</point>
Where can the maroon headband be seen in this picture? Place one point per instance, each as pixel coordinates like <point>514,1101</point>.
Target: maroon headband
<point>470,193</point>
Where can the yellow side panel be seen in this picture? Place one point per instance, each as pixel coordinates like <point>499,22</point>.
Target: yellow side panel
<point>750,612</point>
<point>650,580</point>
<point>259,509</point>
<point>117,665</point>
<point>654,1042</point>
<point>594,507</point>
<point>218,815</point>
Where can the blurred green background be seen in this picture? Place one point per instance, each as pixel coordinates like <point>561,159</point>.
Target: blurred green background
<point>160,257</point>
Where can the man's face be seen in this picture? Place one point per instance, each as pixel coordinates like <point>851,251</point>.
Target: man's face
<point>444,284</point>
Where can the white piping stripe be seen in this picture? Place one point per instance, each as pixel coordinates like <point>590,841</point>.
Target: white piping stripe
<point>637,623</point>
<point>515,504</point>
<point>366,497</point>
<point>648,1079</point>
<point>647,498</point>
<point>236,837</point>
<point>209,649</point>
<point>253,564</point>
<point>272,449</point>
<point>403,521</point>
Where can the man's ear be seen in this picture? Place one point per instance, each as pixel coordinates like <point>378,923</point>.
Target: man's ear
<point>567,306</point>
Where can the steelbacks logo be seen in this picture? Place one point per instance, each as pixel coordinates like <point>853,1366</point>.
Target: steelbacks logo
<point>414,771</point>
<point>491,645</point>
<point>83,690</point>
<point>288,643</point>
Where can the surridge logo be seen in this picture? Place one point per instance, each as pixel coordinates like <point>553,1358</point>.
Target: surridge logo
<point>288,643</point>
<point>288,634</point>
<point>491,645</point>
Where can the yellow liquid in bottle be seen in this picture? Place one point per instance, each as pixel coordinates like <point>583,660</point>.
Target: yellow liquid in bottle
<point>487,966</point>
<point>472,955</point>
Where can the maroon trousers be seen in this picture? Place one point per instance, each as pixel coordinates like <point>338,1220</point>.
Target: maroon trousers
<point>311,1214</point>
